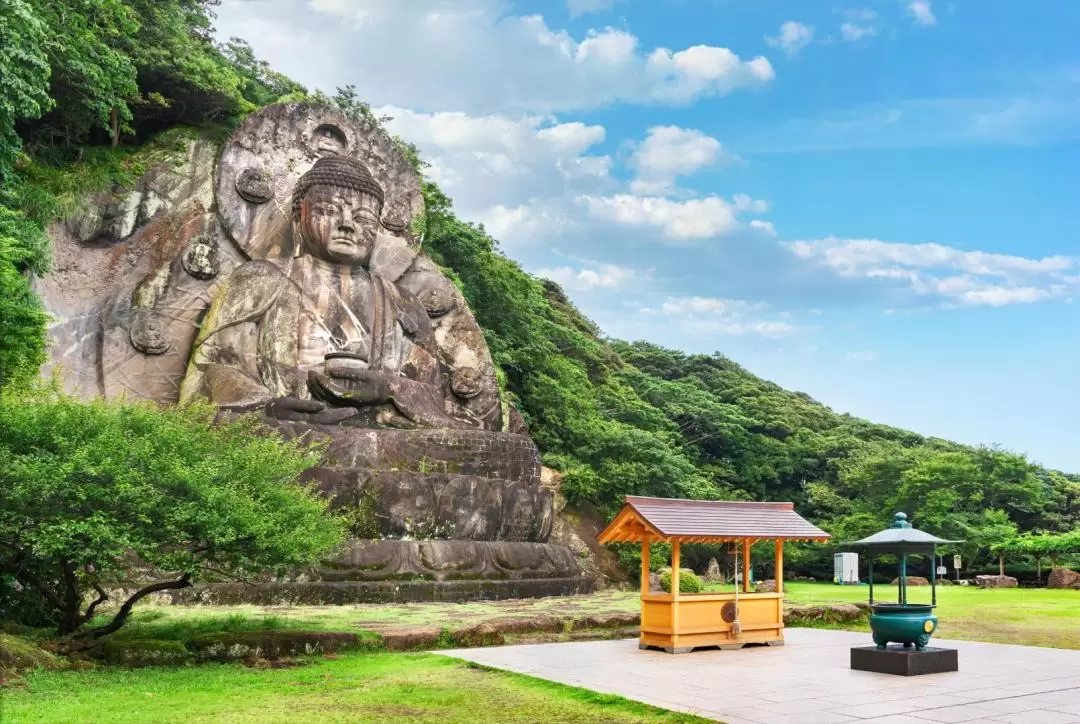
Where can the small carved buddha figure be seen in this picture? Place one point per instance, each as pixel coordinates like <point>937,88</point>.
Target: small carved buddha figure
<point>318,337</point>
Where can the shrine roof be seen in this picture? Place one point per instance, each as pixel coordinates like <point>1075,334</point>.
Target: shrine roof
<point>664,519</point>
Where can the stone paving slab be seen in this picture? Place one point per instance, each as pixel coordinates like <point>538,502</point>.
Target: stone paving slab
<point>809,681</point>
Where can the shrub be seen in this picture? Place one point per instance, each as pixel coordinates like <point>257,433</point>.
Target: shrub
<point>688,581</point>
<point>87,489</point>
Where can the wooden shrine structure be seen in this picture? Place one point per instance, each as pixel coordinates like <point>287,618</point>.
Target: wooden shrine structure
<point>678,622</point>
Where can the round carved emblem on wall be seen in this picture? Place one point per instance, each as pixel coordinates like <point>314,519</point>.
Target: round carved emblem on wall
<point>437,302</point>
<point>200,258</point>
<point>727,612</point>
<point>396,218</point>
<point>254,186</point>
<point>466,382</point>
<point>149,335</point>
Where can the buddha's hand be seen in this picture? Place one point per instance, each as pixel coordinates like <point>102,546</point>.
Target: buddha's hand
<point>295,409</point>
<point>354,388</point>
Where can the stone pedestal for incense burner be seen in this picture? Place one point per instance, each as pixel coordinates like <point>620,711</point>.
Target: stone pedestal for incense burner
<point>281,276</point>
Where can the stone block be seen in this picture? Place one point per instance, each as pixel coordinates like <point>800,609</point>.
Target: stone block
<point>996,581</point>
<point>904,662</point>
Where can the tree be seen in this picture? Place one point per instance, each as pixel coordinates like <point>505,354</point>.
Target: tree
<point>23,250</point>
<point>92,490</point>
<point>24,75</point>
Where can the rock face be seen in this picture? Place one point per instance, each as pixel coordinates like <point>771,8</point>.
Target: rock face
<point>996,581</point>
<point>912,581</point>
<point>280,275</point>
<point>1063,578</point>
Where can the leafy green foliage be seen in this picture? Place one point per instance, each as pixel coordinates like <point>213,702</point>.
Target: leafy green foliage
<point>23,250</point>
<point>24,75</point>
<point>688,581</point>
<point>90,489</point>
<point>1043,544</point>
<point>92,75</point>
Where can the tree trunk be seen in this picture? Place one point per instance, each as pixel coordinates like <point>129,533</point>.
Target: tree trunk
<point>114,119</point>
<point>122,615</point>
<point>1038,568</point>
<point>1001,563</point>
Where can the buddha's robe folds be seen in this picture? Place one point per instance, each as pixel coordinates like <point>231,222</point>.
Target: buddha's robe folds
<point>270,325</point>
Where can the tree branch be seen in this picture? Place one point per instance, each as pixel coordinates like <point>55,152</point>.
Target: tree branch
<point>102,598</point>
<point>125,610</point>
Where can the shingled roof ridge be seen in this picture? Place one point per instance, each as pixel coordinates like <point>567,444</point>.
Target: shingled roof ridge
<point>778,504</point>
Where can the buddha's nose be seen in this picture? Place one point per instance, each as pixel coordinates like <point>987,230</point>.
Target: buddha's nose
<point>346,225</point>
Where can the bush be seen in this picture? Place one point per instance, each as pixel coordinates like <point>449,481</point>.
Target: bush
<point>688,581</point>
<point>88,490</point>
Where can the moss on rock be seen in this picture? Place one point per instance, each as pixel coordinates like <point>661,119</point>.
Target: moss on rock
<point>18,655</point>
<point>137,653</point>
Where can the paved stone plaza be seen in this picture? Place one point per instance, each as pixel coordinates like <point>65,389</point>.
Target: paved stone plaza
<point>809,681</point>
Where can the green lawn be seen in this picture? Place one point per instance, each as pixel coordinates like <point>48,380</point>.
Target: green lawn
<point>1028,616</point>
<point>360,687</point>
<point>179,622</point>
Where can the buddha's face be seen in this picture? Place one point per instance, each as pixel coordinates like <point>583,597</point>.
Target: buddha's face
<point>339,225</point>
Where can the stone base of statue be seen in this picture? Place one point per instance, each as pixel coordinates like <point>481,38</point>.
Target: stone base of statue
<point>386,571</point>
<point>446,515</point>
<point>903,661</point>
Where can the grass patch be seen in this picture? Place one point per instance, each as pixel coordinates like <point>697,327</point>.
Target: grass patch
<point>358,687</point>
<point>181,622</point>
<point>1027,616</point>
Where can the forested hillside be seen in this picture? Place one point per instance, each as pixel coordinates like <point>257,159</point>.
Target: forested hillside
<point>82,85</point>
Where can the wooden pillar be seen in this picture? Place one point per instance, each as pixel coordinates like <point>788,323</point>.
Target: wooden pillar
<point>746,565</point>
<point>675,563</point>
<point>645,568</point>
<point>779,565</point>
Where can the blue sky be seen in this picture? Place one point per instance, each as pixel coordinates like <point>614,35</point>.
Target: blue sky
<point>873,202</point>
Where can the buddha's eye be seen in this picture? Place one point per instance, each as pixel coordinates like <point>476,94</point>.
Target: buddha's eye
<point>325,209</point>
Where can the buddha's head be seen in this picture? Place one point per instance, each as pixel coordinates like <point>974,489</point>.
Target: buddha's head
<point>336,209</point>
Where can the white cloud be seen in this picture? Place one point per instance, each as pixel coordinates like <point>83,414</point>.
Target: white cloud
<point>864,356</point>
<point>763,226</point>
<point>954,276</point>
<point>792,38</point>
<point>605,277</point>
<point>853,32</point>
<point>922,13</point>
<point>476,56</point>
<point>670,151</point>
<point>743,202</point>
<point>525,223</point>
<point>859,23</point>
<point>493,165</point>
<point>712,315</point>
<point>678,220</point>
<point>584,7</point>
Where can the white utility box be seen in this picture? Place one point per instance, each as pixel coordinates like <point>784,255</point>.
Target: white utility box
<point>846,568</point>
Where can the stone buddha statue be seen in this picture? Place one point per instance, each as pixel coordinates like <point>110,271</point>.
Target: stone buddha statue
<point>319,337</point>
